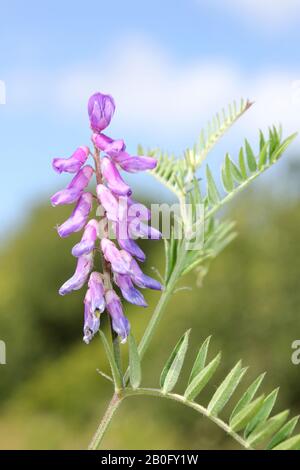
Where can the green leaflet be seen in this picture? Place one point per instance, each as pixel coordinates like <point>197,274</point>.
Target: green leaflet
<point>262,140</point>
<point>291,444</point>
<point>172,369</point>
<point>226,389</point>
<point>263,156</point>
<point>235,171</point>
<point>212,190</point>
<point>247,396</point>
<point>263,413</point>
<point>135,373</point>
<point>242,164</point>
<point>242,418</point>
<point>200,359</point>
<point>227,176</point>
<point>284,433</point>
<point>251,160</point>
<point>281,148</point>
<point>266,429</point>
<point>202,378</point>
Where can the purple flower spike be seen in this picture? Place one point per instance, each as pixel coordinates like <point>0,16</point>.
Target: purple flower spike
<point>87,243</point>
<point>74,189</point>
<point>132,164</point>
<point>101,109</point>
<point>73,163</point>
<point>79,278</point>
<point>91,320</point>
<point>96,288</point>
<point>79,216</point>
<point>129,292</point>
<point>108,145</point>
<point>114,180</point>
<point>108,201</point>
<point>114,257</point>
<point>120,323</point>
<point>142,280</point>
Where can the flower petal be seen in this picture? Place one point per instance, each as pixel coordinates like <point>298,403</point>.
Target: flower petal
<point>97,292</point>
<point>129,292</point>
<point>108,201</point>
<point>108,145</point>
<point>91,320</point>
<point>74,189</point>
<point>101,109</point>
<point>142,280</point>
<point>114,180</point>
<point>114,256</point>
<point>120,323</point>
<point>79,278</point>
<point>133,164</point>
<point>88,240</point>
<point>79,216</point>
<point>73,163</point>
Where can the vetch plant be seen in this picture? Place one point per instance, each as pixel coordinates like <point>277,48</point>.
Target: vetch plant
<point>119,274</point>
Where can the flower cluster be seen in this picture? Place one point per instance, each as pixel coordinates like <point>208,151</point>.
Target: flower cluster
<point>128,218</point>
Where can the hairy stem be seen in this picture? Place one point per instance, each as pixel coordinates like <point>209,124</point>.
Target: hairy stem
<point>104,423</point>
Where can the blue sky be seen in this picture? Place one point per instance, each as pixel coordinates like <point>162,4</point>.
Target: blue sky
<point>169,65</point>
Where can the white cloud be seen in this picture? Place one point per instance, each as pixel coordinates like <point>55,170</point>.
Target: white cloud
<point>153,92</point>
<point>267,13</point>
<point>164,101</point>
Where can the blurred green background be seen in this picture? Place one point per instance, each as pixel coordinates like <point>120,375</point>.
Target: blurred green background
<point>50,393</point>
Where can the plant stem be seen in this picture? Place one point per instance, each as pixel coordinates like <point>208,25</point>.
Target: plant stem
<point>110,411</point>
<point>159,310</point>
<point>195,406</point>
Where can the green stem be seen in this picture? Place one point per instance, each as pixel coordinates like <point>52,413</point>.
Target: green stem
<point>195,406</point>
<point>110,411</point>
<point>116,349</point>
<point>159,310</point>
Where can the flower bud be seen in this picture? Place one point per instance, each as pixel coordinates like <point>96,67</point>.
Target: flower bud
<point>108,145</point>
<point>96,288</point>
<point>79,216</point>
<point>114,180</point>
<point>120,323</point>
<point>142,280</point>
<point>132,164</point>
<point>79,278</point>
<point>91,319</point>
<point>114,257</point>
<point>74,189</point>
<point>129,292</point>
<point>88,240</point>
<point>101,109</point>
<point>73,163</point>
<point>108,201</point>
